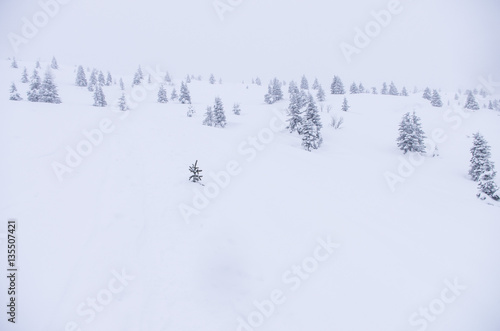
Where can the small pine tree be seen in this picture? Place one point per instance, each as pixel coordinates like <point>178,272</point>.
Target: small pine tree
<point>162,95</point>
<point>218,114</point>
<point>24,76</point>
<point>35,85</point>
<point>211,80</point>
<point>308,136</point>
<point>174,95</point>
<point>167,78</point>
<point>92,80</point>
<point>122,86</point>
<point>14,63</point>
<point>315,84</point>
<point>304,84</point>
<point>436,99</point>
<point>195,170</point>
<point>480,161</point>
<point>190,111</point>
<point>188,79</point>
<point>209,118</point>
<point>361,88</point>
<point>411,136</point>
<point>48,90</point>
<point>276,90</point>
<point>345,105</point>
<point>427,94</point>
<point>294,112</point>
<point>101,79</point>
<point>37,65</point>
<point>374,90</point>
<point>490,105</point>
<point>384,90</point>
<point>321,94</point>
<point>138,76</point>
<point>236,109</point>
<point>258,81</point>
<point>81,79</point>
<point>122,103</point>
<point>14,95</point>
<point>312,113</point>
<point>404,92</point>
<point>337,86</point>
<point>471,102</point>
<point>99,98</point>
<point>354,89</point>
<point>109,79</point>
<point>185,96</point>
<point>53,63</point>
<point>393,89</point>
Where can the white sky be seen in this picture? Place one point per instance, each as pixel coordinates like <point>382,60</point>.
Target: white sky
<point>441,43</point>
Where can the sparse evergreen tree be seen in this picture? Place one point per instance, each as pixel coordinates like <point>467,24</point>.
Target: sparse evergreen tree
<point>101,79</point>
<point>99,98</point>
<point>122,103</point>
<point>81,79</point>
<point>292,87</point>
<point>138,77</point>
<point>268,98</point>
<point>483,93</point>
<point>384,90</point>
<point>294,113</point>
<point>404,92</point>
<point>167,78</point>
<point>53,63</point>
<point>471,102</point>
<point>321,94</point>
<point>361,88</point>
<point>354,88</point>
<point>436,99</point>
<point>236,109</point>
<point>35,85</point>
<point>374,90</point>
<point>490,105</point>
<point>48,90</point>
<point>427,94</point>
<point>219,116</point>
<point>274,92</point>
<point>92,80</point>
<point>309,136</point>
<point>337,86</point>
<point>109,79</point>
<point>456,96</point>
<point>304,84</point>
<point>411,136</point>
<point>190,111</point>
<point>475,91</point>
<point>174,95</point>
<point>122,86</point>
<point>481,154</point>
<point>37,65</point>
<point>24,76</point>
<point>211,80</point>
<point>393,89</point>
<point>315,85</point>
<point>185,96</point>
<point>195,177</point>
<point>209,117</point>
<point>162,95</point>
<point>258,81</point>
<point>13,64</point>
<point>311,130</point>
<point>188,79</point>
<point>312,113</point>
<point>14,95</point>
<point>345,105</point>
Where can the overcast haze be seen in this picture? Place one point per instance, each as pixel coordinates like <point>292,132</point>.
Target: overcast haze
<point>439,43</point>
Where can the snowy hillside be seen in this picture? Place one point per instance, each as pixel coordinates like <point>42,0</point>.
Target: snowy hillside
<point>278,238</point>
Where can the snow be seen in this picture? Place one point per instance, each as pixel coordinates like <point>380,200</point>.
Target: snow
<point>118,211</point>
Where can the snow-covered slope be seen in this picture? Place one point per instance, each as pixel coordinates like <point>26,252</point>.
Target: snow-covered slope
<point>107,247</point>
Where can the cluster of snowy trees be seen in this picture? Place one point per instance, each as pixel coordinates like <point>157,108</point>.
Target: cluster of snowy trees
<point>215,116</point>
<point>337,87</point>
<point>274,92</point>
<point>411,136</point>
<point>434,97</point>
<point>482,169</point>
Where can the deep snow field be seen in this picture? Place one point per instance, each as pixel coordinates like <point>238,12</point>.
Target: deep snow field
<point>107,247</point>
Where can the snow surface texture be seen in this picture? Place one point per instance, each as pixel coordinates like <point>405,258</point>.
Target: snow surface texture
<point>107,248</point>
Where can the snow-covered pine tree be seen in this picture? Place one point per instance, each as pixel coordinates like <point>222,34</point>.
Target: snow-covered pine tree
<point>162,94</point>
<point>419,134</point>
<point>101,79</point>
<point>167,78</point>
<point>471,102</point>
<point>37,65</point>
<point>384,90</point>
<point>53,63</point>
<point>436,99</point>
<point>48,90</point>
<point>337,86</point>
<point>321,94</point>
<point>361,88</point>
<point>122,86</point>
<point>354,88</point>
<point>480,160</point>
<point>393,90</point>
<point>219,116</point>
<point>404,92</point>
<point>81,79</point>
<point>185,96</point>
<point>308,136</point>
<point>345,105</point>
<point>195,170</point>
<point>109,79</point>
<point>122,103</point>
<point>138,76</point>
<point>294,113</point>
<point>190,111</point>
<point>188,79</point>
<point>211,80</point>
<point>315,84</point>
<point>311,130</point>
<point>487,186</point>
<point>99,98</point>
<point>13,64</point>
<point>490,105</point>
<point>268,98</point>
<point>311,113</point>
<point>374,90</point>
<point>258,81</point>
<point>304,84</point>
<point>92,80</point>
<point>236,109</point>
<point>427,94</point>
<point>35,85</point>
<point>14,95</point>
<point>173,95</point>
<point>277,93</point>
<point>24,76</point>
<point>209,117</point>
<point>292,87</point>
<point>411,136</point>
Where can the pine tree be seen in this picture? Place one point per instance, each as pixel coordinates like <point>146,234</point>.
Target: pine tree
<point>219,117</point>
<point>404,92</point>
<point>14,95</point>
<point>354,88</point>
<point>122,86</point>
<point>384,90</point>
<point>258,81</point>
<point>92,80</point>
<point>174,95</point>
<point>53,63</point>
<point>393,89</point>
<point>427,94</point>
<point>24,76</point>
<point>48,90</point>
<point>321,94</point>
<point>109,79</point>
<point>374,90</point>
<point>311,130</point>
<point>337,86</point>
<point>312,113</point>
<point>167,78</point>
<point>411,136</point>
<point>211,80</point>
<point>138,77</point>
<point>471,102</point>
<point>268,98</point>
<point>482,169</point>
<point>345,105</point>
<point>292,87</point>
<point>195,177</point>
<point>236,109</point>
<point>190,111</point>
<point>101,79</point>
<point>99,99</point>
<point>37,65</point>
<point>35,85</point>
<point>294,113</point>
<point>277,93</point>
<point>304,84</point>
<point>185,95</point>
<point>122,103</point>
<point>81,80</point>
<point>361,88</point>
<point>487,186</point>
<point>436,99</point>
<point>308,136</point>
<point>209,118</point>
<point>188,79</point>
<point>162,95</point>
<point>490,105</point>
<point>14,63</point>
<point>315,85</point>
